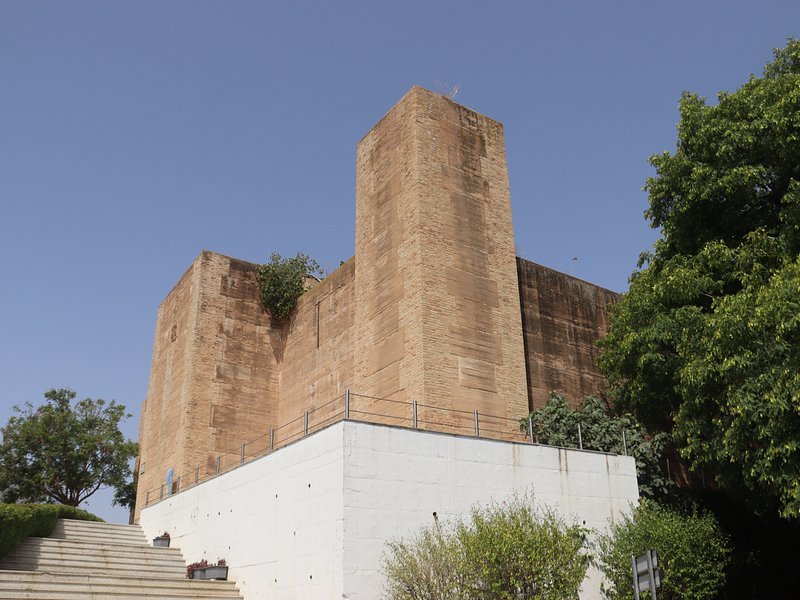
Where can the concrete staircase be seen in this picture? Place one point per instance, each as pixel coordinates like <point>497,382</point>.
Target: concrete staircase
<point>83,560</point>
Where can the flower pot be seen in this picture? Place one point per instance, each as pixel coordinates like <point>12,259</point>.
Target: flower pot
<point>199,574</point>
<point>161,542</point>
<point>216,572</point>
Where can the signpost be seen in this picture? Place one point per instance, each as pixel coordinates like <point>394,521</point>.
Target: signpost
<point>646,574</point>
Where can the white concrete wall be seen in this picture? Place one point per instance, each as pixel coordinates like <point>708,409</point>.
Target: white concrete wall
<point>370,483</point>
<point>395,479</point>
<point>277,520</point>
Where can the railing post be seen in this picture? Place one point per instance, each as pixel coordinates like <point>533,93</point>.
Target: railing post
<point>414,412</point>
<point>147,498</point>
<point>580,437</point>
<point>272,439</point>
<point>477,429</point>
<point>197,473</point>
<point>305,423</point>
<point>219,463</point>
<point>530,427</point>
<point>624,443</point>
<point>347,403</point>
<point>242,453</point>
<point>161,493</point>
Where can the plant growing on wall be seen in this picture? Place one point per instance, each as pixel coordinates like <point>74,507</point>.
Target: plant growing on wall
<point>556,424</point>
<point>282,281</point>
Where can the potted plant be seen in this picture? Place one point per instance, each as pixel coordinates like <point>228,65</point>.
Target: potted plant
<point>217,571</point>
<point>197,570</point>
<point>162,541</point>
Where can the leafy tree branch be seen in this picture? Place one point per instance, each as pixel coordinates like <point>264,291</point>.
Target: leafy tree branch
<point>64,452</point>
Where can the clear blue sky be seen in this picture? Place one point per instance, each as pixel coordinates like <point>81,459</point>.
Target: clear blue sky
<point>134,135</point>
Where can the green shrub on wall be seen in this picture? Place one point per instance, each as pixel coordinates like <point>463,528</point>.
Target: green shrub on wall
<point>282,281</point>
<point>18,521</point>
<point>556,424</point>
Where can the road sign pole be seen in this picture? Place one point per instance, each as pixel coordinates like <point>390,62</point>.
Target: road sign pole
<point>646,574</point>
<point>651,574</point>
<point>635,577</point>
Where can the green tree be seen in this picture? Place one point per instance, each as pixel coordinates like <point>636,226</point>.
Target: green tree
<point>556,424</point>
<point>505,551</point>
<point>60,452</point>
<point>282,281</point>
<point>125,495</point>
<point>693,552</point>
<point>706,343</point>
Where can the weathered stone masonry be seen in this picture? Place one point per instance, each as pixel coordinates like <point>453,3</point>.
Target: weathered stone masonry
<point>434,306</point>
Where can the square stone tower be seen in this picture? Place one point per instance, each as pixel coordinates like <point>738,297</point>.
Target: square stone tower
<point>437,296</point>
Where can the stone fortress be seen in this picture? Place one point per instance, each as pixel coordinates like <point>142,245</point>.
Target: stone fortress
<point>393,394</point>
<point>435,307</point>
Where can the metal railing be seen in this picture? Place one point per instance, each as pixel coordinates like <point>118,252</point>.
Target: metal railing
<point>358,407</point>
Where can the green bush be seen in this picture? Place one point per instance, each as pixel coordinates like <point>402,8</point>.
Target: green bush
<point>693,553</point>
<point>18,521</point>
<point>282,281</point>
<point>505,551</point>
<point>556,424</point>
<point>428,566</point>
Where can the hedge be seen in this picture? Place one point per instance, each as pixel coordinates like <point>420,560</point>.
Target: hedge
<point>18,521</point>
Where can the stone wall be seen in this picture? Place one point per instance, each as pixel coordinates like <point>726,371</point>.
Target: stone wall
<point>214,378</point>
<point>317,365</point>
<point>562,319</point>
<point>162,443</point>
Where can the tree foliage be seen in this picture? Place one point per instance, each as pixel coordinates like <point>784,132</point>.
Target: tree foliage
<point>706,343</point>
<point>60,452</point>
<point>556,424</point>
<point>505,551</point>
<point>693,552</point>
<point>282,281</point>
<point>125,495</point>
<point>428,566</point>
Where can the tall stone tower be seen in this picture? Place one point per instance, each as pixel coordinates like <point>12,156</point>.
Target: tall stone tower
<point>437,300</point>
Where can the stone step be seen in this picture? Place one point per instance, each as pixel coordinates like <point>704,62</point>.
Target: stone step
<point>94,539</point>
<point>98,561</point>
<point>102,539</point>
<point>89,567</point>
<point>100,535</point>
<point>69,524</point>
<point>52,583</point>
<point>82,544</point>
<point>35,591</point>
<point>49,546</point>
<point>79,527</point>
<point>36,594</point>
